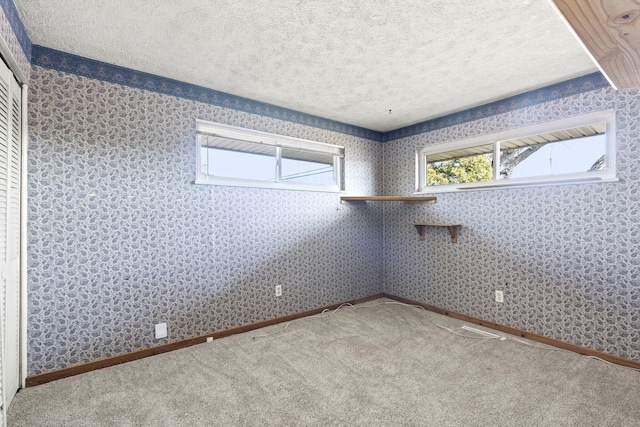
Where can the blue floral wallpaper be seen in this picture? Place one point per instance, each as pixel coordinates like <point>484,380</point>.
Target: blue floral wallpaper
<point>15,36</point>
<point>62,61</point>
<point>566,257</point>
<point>119,238</point>
<point>539,96</point>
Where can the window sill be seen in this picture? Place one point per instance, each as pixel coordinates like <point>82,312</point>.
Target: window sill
<point>498,185</point>
<point>268,184</point>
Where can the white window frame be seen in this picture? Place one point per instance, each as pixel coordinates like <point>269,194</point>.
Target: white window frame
<point>606,175</point>
<point>279,142</point>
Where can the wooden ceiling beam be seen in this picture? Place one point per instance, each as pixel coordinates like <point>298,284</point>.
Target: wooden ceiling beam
<point>610,31</point>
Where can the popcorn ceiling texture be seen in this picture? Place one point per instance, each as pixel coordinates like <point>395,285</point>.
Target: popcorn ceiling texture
<point>61,61</point>
<point>119,239</point>
<point>566,257</point>
<point>347,61</point>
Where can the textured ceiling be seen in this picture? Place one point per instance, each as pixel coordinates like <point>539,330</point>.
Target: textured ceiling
<point>350,61</point>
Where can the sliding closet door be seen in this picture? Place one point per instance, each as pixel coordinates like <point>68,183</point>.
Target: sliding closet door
<point>10,172</point>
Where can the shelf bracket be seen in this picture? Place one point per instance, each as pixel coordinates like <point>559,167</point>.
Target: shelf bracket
<point>453,230</point>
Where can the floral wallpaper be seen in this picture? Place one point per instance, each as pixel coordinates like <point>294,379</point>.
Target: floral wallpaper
<point>78,65</point>
<point>120,239</point>
<point>567,257</point>
<point>15,36</point>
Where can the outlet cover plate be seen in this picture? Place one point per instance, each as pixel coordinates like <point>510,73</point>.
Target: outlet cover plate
<point>161,330</point>
<point>499,296</point>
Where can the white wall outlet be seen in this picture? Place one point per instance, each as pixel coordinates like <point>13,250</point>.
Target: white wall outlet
<point>161,330</point>
<point>209,339</point>
<point>278,290</point>
<point>499,296</point>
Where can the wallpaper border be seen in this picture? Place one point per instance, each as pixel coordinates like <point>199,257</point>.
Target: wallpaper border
<point>553,92</point>
<point>66,62</point>
<point>62,61</point>
<point>20,31</point>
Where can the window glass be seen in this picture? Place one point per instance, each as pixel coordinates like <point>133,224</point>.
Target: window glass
<point>460,166</point>
<point>240,164</point>
<point>553,158</point>
<point>228,155</point>
<point>307,167</point>
<point>572,150</point>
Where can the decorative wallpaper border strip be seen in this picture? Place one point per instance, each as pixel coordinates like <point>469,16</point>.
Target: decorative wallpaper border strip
<point>61,61</point>
<point>549,93</point>
<point>12,15</point>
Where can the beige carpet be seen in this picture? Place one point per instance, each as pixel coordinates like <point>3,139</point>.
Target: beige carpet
<point>385,365</point>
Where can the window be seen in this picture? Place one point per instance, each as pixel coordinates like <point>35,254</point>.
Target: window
<point>572,150</point>
<point>229,155</point>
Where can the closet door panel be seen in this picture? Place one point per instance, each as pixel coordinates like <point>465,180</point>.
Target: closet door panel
<point>12,296</point>
<point>10,202</point>
<point>5,148</point>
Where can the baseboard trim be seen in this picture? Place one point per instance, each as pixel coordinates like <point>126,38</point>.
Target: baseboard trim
<point>630,363</point>
<point>140,354</point>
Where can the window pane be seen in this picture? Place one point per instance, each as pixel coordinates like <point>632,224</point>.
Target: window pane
<point>307,167</point>
<point>585,154</point>
<point>234,156</point>
<point>571,150</point>
<point>239,164</point>
<point>460,166</point>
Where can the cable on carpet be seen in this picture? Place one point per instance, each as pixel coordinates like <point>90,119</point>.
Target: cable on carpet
<point>503,338</point>
<point>427,319</point>
<point>327,313</point>
<point>324,314</point>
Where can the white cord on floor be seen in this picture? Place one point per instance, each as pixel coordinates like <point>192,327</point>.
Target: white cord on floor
<point>549,348</point>
<point>614,364</point>
<point>326,313</point>
<point>323,315</point>
<point>536,346</point>
<point>428,320</point>
<point>286,325</point>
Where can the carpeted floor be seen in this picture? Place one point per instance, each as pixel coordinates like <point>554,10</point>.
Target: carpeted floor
<point>384,365</point>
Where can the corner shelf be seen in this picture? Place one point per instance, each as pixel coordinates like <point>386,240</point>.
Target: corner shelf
<point>453,229</point>
<point>405,199</point>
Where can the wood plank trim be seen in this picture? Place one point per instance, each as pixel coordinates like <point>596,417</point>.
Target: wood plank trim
<point>607,31</point>
<point>140,354</point>
<point>630,363</point>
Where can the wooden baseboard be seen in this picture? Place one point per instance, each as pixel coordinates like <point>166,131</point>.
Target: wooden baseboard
<point>140,354</point>
<point>630,363</point>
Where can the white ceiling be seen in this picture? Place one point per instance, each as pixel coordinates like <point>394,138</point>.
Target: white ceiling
<point>350,61</point>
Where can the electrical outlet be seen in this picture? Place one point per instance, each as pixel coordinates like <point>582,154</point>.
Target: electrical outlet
<point>278,290</point>
<point>161,330</point>
<point>499,296</point>
<point>209,339</point>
